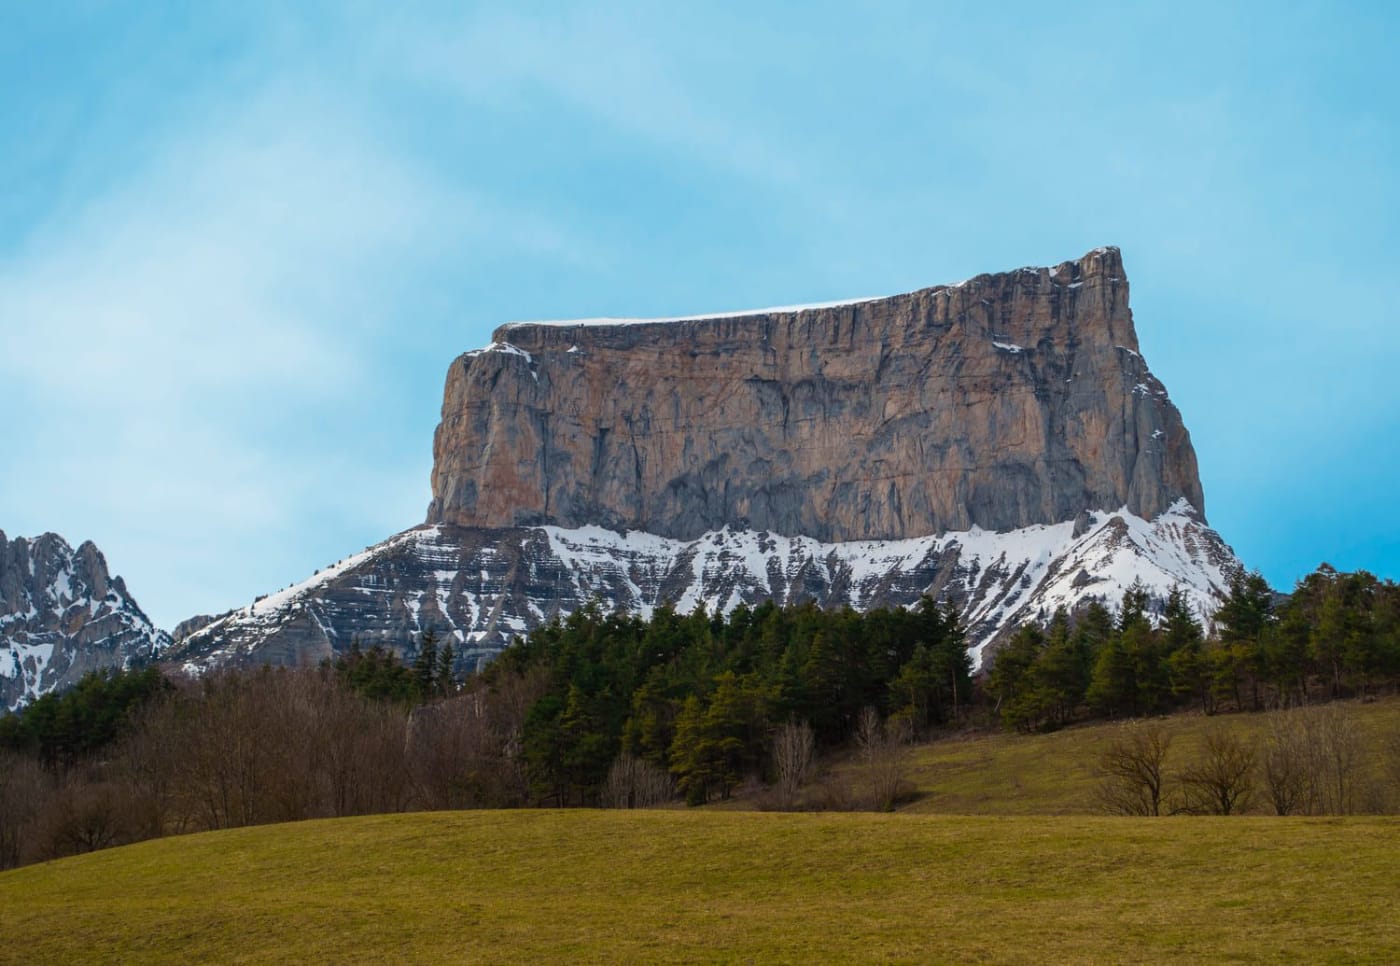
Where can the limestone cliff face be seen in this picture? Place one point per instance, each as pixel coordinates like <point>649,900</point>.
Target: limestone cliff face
<point>1002,402</point>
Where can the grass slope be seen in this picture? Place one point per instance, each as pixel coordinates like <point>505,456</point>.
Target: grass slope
<point>1054,774</point>
<point>707,886</point>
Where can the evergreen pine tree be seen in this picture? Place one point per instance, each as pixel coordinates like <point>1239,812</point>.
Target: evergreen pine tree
<point>426,665</point>
<point>1011,683</point>
<point>1062,672</point>
<point>1112,689</point>
<point>1183,643</point>
<point>1240,624</point>
<point>688,762</point>
<point>446,671</point>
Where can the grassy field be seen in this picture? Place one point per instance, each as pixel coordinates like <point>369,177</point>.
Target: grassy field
<point>704,886</point>
<point>1054,774</point>
<point>998,859</point>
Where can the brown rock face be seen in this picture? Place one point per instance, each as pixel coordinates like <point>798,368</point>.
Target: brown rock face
<point>1004,401</point>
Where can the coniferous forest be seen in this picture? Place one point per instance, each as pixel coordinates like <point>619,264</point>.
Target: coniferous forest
<point>610,709</point>
<point>1336,635</point>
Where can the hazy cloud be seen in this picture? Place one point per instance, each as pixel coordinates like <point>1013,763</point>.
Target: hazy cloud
<point>192,351</point>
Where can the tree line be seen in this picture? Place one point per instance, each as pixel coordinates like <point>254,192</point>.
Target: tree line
<point>1336,635</point>
<point>612,709</point>
<point>699,697</point>
<point>591,710</point>
<point>249,746</point>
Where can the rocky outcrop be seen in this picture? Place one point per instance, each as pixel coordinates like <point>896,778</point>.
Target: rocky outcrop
<point>1002,402</point>
<point>189,625</point>
<point>62,615</point>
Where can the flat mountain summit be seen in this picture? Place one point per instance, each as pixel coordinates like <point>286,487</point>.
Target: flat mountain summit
<point>1002,402</point>
<point>999,443</point>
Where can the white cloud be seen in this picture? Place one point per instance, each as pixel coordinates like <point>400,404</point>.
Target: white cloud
<point>191,356</point>
<point>621,69</point>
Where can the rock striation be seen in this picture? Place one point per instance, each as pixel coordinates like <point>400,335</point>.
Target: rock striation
<point>1002,402</point>
<point>999,443</point>
<point>63,615</point>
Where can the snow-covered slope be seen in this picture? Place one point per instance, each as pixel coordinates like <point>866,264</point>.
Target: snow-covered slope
<point>61,616</point>
<point>481,587</point>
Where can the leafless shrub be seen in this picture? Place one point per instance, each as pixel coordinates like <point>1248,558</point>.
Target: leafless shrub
<point>83,815</point>
<point>634,782</point>
<point>1315,763</point>
<point>1132,769</point>
<point>1287,765</point>
<point>1335,741</point>
<point>884,758</point>
<point>794,760</point>
<point>1221,780</point>
<point>833,793</point>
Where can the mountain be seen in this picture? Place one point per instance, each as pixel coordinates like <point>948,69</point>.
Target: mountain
<point>999,443</point>
<point>62,615</point>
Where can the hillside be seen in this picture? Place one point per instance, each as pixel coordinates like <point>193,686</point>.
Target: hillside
<point>1055,774</point>
<point>709,886</point>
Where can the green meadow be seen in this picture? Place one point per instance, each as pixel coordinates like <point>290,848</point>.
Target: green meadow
<point>706,886</point>
<point>998,857</point>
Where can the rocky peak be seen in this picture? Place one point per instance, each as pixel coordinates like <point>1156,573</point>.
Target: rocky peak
<point>62,614</point>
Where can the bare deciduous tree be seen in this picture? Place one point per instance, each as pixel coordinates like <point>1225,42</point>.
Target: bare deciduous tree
<point>1221,780</point>
<point>634,782</point>
<point>466,752</point>
<point>884,757</point>
<point>1337,753</point>
<point>83,815</point>
<point>1133,769</point>
<point>794,759</point>
<point>1390,771</point>
<point>23,788</point>
<point>1315,762</point>
<point>1287,766</point>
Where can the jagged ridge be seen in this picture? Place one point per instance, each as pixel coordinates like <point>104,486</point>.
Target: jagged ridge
<point>62,615</point>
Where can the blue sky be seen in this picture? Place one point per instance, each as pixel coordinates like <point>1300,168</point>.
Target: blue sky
<point>240,244</point>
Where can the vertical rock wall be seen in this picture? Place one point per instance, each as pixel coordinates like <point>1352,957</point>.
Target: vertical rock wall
<point>1004,401</point>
